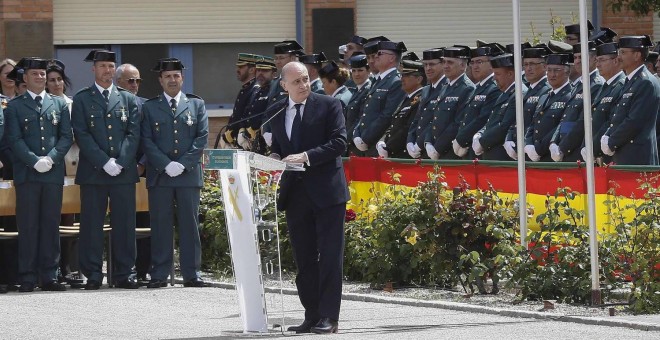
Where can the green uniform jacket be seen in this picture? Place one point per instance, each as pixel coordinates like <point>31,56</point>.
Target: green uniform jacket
<point>352,112</point>
<point>396,135</point>
<point>105,131</point>
<point>317,86</point>
<point>180,137</point>
<point>503,116</point>
<point>476,113</point>
<point>344,95</point>
<point>33,134</point>
<point>546,118</point>
<point>421,124</point>
<point>603,108</point>
<point>530,101</point>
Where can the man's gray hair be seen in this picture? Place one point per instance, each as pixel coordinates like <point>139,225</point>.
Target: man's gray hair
<point>123,67</point>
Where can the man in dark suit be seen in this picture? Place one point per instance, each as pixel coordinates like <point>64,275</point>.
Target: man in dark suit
<point>106,123</point>
<point>421,124</point>
<point>452,99</point>
<point>382,100</point>
<point>631,138</point>
<point>393,144</point>
<point>174,134</point>
<point>550,108</point>
<point>489,141</point>
<point>309,129</point>
<point>39,134</point>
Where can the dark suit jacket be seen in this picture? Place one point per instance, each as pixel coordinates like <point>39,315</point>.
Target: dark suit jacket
<point>179,137</point>
<point>446,118</point>
<point>502,117</point>
<point>396,135</point>
<point>33,134</point>
<point>476,113</point>
<point>323,138</point>
<point>106,131</point>
<point>632,131</point>
<point>546,118</point>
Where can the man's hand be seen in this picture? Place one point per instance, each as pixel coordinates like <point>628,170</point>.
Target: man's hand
<point>430,150</point>
<point>298,158</point>
<point>413,150</point>
<point>174,169</point>
<point>604,145</point>
<point>381,147</point>
<point>556,153</point>
<point>43,165</point>
<point>111,168</point>
<point>268,137</point>
<point>360,144</point>
<point>530,150</point>
<point>583,152</point>
<point>510,148</point>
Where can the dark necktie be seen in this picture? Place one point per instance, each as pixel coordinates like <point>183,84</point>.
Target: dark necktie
<point>105,95</point>
<point>295,129</point>
<point>38,100</point>
<point>173,105</point>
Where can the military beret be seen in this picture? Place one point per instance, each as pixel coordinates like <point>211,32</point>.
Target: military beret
<point>288,46</point>
<point>398,47</point>
<point>502,60</point>
<point>357,61</point>
<point>591,46</point>
<point>265,63</point>
<point>410,56</point>
<point>635,41</point>
<point>575,28</point>
<point>168,64</point>
<point>560,59</point>
<point>433,53</point>
<point>457,51</point>
<point>313,59</point>
<point>607,48</point>
<point>246,59</point>
<point>605,35</point>
<point>101,55</point>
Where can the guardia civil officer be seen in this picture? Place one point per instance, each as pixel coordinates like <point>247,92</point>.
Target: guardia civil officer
<point>314,62</point>
<point>106,123</point>
<point>360,76</point>
<point>39,134</point>
<point>245,73</point>
<point>174,134</point>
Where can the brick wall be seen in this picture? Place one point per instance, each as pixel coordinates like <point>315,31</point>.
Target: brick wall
<point>312,4</point>
<point>22,11</point>
<point>626,23</point>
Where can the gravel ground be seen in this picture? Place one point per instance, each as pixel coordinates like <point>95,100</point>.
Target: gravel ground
<point>506,299</point>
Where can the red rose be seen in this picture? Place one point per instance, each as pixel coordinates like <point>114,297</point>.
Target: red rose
<point>350,215</point>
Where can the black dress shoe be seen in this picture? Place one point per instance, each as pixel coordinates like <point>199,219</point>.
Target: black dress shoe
<point>92,285</point>
<point>196,282</point>
<point>127,284</point>
<point>26,287</point>
<point>53,286</point>
<point>3,289</point>
<point>304,327</point>
<point>326,326</point>
<point>156,283</point>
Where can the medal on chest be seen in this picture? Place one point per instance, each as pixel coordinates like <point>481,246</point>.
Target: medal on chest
<point>55,121</point>
<point>124,118</point>
<point>189,121</point>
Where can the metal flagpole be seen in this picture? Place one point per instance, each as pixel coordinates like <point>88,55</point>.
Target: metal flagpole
<point>520,125</point>
<point>588,139</point>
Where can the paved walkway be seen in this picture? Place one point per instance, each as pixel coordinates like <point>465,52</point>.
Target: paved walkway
<point>212,313</point>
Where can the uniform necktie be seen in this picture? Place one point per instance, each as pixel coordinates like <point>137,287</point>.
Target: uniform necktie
<point>173,104</point>
<point>38,100</point>
<point>105,95</point>
<point>295,129</point>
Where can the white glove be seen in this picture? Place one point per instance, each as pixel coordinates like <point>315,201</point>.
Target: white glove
<point>1,165</point>
<point>583,152</point>
<point>530,150</point>
<point>111,168</point>
<point>359,143</point>
<point>413,150</point>
<point>114,161</point>
<point>510,148</point>
<point>604,145</point>
<point>268,137</point>
<point>174,169</point>
<point>455,146</point>
<point>380,147</point>
<point>476,145</point>
<point>43,165</point>
<point>556,153</point>
<point>431,151</point>
<point>243,139</point>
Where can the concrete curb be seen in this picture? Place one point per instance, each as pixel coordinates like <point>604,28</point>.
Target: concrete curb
<point>464,307</point>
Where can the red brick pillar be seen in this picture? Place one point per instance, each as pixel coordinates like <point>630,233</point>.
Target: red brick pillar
<point>15,14</point>
<point>626,23</point>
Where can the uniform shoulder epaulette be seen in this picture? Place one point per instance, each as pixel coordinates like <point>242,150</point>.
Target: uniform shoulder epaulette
<point>154,98</point>
<point>190,95</point>
<point>84,89</point>
<point>121,88</point>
